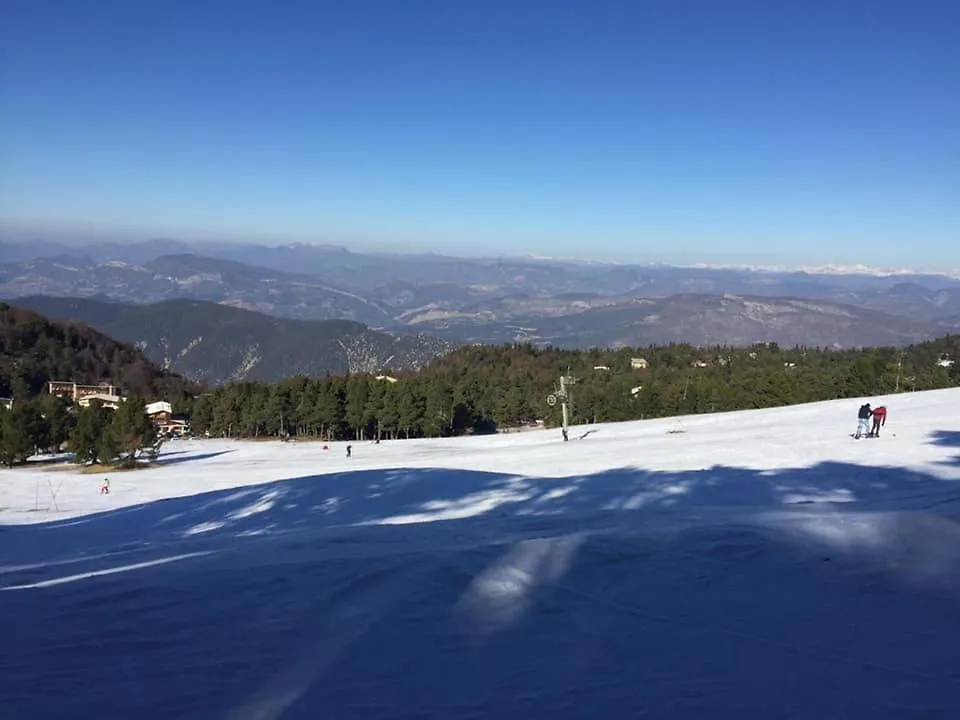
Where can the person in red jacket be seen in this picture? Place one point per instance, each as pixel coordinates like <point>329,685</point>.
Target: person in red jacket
<point>879,418</point>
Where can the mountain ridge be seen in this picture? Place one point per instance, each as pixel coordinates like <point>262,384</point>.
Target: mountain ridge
<point>215,343</point>
<point>463,300</point>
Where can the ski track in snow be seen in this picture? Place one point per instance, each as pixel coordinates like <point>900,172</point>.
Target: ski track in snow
<point>758,564</point>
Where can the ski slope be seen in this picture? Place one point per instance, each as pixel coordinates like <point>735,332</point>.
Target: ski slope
<point>751,564</point>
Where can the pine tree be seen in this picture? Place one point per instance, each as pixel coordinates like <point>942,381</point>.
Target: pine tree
<point>108,445</point>
<point>23,428</point>
<point>389,414</point>
<point>200,411</point>
<point>131,428</point>
<point>438,408</point>
<point>36,425</point>
<point>861,378</point>
<point>11,439</point>
<point>374,409</point>
<point>92,437</point>
<point>410,408</point>
<point>277,410</point>
<point>508,406</point>
<point>356,405</point>
<point>302,416</point>
<point>331,410</point>
<point>59,418</point>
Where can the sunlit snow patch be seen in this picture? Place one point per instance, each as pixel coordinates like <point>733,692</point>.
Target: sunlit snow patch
<point>916,546</point>
<point>330,505</point>
<point>645,497</point>
<point>107,571</point>
<point>231,497</point>
<point>204,527</point>
<point>499,596</point>
<point>814,495</point>
<point>264,504</point>
<point>464,507</point>
<point>556,494</point>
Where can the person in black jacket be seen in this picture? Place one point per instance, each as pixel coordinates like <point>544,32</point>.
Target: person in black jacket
<point>863,424</point>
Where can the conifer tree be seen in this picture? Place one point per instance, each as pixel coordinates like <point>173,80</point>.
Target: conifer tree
<point>60,420</point>
<point>131,428</point>
<point>92,437</point>
<point>24,430</point>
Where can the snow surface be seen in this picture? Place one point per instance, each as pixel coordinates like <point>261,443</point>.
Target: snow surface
<point>756,564</point>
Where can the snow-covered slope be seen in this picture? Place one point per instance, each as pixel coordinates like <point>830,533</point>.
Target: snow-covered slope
<point>752,564</point>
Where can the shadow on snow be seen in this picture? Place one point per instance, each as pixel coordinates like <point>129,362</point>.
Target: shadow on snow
<point>166,458</point>
<point>824,591</point>
<point>948,438</point>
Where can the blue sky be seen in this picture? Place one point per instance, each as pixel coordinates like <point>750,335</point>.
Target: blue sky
<point>643,130</point>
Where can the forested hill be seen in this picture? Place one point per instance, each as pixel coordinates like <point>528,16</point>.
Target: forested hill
<point>214,343</point>
<point>34,350</point>
<point>481,388</point>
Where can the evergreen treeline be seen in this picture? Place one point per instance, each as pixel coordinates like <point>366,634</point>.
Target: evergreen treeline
<point>95,434</point>
<point>482,388</point>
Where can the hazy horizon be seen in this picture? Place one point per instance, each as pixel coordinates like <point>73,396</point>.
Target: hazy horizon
<point>775,265</point>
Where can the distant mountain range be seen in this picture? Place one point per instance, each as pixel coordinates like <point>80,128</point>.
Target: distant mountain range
<point>467,300</point>
<point>192,277</point>
<point>705,320</point>
<point>215,343</point>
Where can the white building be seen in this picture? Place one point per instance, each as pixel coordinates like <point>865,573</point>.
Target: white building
<point>107,400</point>
<point>155,408</point>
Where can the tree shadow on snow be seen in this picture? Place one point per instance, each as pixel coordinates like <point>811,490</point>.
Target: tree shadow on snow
<point>723,592</point>
<point>165,459</point>
<point>948,438</point>
<point>432,502</point>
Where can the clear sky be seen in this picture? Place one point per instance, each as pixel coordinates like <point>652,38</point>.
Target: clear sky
<point>645,130</point>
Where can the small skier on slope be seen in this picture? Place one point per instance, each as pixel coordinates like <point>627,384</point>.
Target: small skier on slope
<point>879,419</point>
<point>105,487</point>
<point>863,421</point>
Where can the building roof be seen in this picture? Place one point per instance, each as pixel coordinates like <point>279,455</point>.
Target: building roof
<point>161,406</point>
<point>102,397</point>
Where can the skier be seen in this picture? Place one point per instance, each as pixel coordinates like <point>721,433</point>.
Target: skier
<point>565,436</point>
<point>879,418</point>
<point>105,487</point>
<point>349,450</point>
<point>863,421</point>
